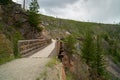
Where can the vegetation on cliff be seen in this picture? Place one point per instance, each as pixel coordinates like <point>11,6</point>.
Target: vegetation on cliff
<point>96,41</point>
<point>16,24</point>
<point>33,16</point>
<point>88,46</point>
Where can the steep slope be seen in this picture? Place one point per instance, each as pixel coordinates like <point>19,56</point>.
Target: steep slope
<point>13,15</point>
<point>6,51</point>
<point>78,28</point>
<point>60,28</point>
<point>15,25</point>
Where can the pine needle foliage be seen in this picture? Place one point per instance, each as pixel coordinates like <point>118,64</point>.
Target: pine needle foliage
<point>88,48</point>
<point>98,62</point>
<point>34,17</point>
<point>34,6</point>
<point>70,42</point>
<point>92,53</point>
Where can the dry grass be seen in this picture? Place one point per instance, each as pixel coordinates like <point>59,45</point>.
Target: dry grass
<point>50,71</point>
<point>52,62</point>
<point>6,50</point>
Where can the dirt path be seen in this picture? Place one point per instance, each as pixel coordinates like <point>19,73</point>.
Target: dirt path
<point>22,69</point>
<point>27,68</point>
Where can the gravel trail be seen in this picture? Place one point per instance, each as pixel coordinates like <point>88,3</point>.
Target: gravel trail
<point>27,68</point>
<point>46,51</point>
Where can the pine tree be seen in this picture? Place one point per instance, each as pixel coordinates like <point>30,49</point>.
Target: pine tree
<point>88,48</point>
<point>34,17</point>
<point>98,62</point>
<point>93,54</point>
<point>70,42</point>
<point>34,6</point>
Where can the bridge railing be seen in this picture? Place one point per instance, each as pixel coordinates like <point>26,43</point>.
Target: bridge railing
<point>27,46</point>
<point>56,50</point>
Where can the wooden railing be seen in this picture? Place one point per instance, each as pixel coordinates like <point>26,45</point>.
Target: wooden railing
<point>30,46</point>
<point>56,50</point>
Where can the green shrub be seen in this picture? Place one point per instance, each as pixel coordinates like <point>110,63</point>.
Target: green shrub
<point>34,19</point>
<point>39,28</point>
<point>6,51</point>
<point>13,36</point>
<point>52,62</point>
<point>17,36</point>
<point>70,76</point>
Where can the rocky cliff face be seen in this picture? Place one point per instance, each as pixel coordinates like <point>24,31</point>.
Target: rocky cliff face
<point>13,15</point>
<point>14,25</point>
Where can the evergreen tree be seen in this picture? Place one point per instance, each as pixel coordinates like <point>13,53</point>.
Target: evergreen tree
<point>70,44</point>
<point>88,48</point>
<point>34,6</point>
<point>98,62</point>
<point>93,54</point>
<point>34,17</point>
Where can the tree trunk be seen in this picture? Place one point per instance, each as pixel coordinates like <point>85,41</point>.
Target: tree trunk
<point>24,4</point>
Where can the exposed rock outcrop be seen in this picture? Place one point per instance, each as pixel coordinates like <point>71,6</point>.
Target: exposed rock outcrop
<point>13,15</point>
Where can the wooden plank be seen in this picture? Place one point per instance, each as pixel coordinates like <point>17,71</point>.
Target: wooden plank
<point>25,46</point>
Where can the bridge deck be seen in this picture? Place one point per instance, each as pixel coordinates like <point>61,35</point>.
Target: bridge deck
<point>46,51</point>
<point>28,68</point>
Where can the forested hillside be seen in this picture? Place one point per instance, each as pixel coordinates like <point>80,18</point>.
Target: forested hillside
<point>87,45</point>
<point>97,42</point>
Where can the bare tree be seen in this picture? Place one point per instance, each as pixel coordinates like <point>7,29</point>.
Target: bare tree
<point>24,4</point>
